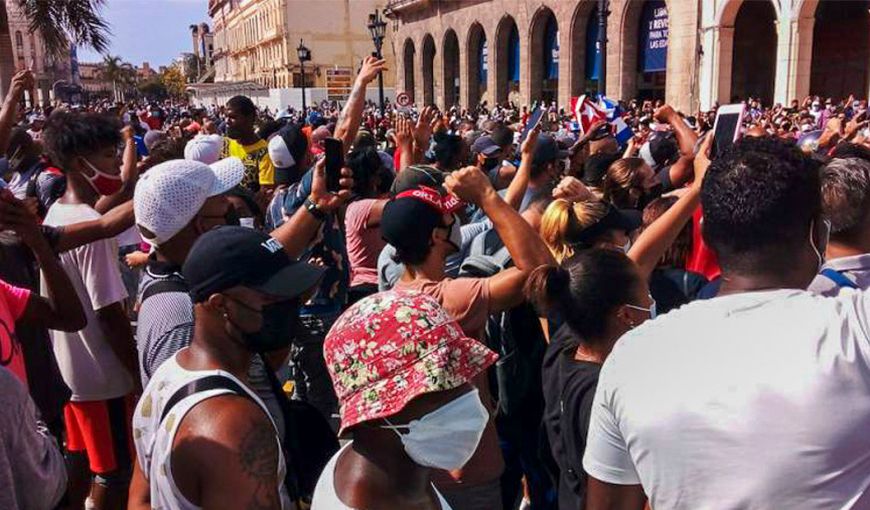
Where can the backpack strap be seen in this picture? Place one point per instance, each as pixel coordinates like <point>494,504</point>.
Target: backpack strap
<point>838,278</point>
<point>208,383</point>
<point>172,283</point>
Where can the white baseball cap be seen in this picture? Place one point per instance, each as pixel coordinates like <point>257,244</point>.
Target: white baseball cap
<point>169,195</point>
<point>204,148</point>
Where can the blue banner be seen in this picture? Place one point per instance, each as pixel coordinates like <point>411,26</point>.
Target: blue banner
<point>551,49</point>
<point>514,54</point>
<point>483,59</point>
<point>653,36</point>
<point>593,50</point>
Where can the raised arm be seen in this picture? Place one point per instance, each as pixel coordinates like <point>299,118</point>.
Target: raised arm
<point>62,310</point>
<point>658,237</point>
<point>526,248</point>
<point>23,80</point>
<point>351,115</point>
<point>129,174</point>
<point>405,143</point>
<point>298,232</point>
<point>686,138</point>
<point>517,188</point>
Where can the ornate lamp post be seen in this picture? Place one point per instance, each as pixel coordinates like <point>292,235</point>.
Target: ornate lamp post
<point>304,55</point>
<point>378,27</point>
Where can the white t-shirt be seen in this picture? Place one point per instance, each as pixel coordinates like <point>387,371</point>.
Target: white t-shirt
<point>85,358</point>
<point>325,497</point>
<point>753,401</point>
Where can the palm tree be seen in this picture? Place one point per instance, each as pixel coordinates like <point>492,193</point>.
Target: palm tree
<point>113,70</point>
<point>57,22</point>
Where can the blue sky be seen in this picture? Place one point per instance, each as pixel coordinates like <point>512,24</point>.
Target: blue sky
<point>155,31</point>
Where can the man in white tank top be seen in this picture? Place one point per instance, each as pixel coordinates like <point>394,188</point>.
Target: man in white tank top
<point>218,448</point>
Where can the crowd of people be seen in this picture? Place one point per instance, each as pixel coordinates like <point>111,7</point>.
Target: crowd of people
<point>473,314</point>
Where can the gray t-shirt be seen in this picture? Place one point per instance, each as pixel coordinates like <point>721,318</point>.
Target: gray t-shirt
<point>32,469</point>
<point>856,269</point>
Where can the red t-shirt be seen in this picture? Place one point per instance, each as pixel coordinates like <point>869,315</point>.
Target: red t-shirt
<point>702,259</point>
<point>13,301</point>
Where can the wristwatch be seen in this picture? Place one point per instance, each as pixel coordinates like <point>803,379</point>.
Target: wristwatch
<point>315,211</point>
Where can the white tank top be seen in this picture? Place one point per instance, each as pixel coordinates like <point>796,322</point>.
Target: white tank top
<point>154,442</point>
<point>325,497</point>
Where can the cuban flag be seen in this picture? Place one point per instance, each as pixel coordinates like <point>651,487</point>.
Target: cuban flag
<point>587,112</point>
<point>621,131</point>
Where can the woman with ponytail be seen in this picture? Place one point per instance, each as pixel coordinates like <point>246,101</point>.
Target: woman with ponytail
<point>601,295</point>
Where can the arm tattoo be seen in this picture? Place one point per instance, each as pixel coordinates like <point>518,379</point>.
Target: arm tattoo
<point>258,458</point>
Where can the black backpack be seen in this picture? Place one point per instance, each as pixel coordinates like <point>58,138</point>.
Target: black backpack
<point>514,334</point>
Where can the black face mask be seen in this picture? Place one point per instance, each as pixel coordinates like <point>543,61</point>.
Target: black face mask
<point>280,324</point>
<point>649,195</point>
<point>232,217</point>
<point>490,163</point>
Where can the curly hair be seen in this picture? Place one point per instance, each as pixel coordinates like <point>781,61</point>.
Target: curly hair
<point>68,135</point>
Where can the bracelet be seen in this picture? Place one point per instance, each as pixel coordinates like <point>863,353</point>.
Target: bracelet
<point>315,211</point>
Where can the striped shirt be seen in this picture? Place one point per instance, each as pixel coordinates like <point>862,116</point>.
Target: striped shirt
<point>166,326</point>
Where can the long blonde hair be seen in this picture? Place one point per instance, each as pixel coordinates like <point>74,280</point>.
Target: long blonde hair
<point>563,222</point>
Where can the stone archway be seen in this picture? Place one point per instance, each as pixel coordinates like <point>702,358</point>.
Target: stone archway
<point>840,49</point>
<point>507,59</point>
<point>408,56</point>
<point>428,70</point>
<point>450,71</point>
<point>478,65</point>
<point>584,40</point>
<point>644,47</point>
<point>544,56</point>
<point>753,69</point>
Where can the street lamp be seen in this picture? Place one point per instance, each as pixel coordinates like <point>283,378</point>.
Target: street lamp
<point>304,55</point>
<point>378,27</point>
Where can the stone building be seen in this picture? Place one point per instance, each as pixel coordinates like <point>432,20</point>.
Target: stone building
<point>256,40</point>
<point>692,53</point>
<point>28,51</point>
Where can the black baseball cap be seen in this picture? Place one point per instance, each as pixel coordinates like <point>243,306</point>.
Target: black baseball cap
<point>418,175</point>
<point>548,150</point>
<point>486,146</point>
<point>615,219</point>
<point>232,256</point>
<point>407,223</point>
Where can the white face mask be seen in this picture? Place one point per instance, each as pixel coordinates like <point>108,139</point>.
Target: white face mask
<point>447,437</point>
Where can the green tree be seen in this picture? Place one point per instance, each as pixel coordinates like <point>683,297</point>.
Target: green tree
<point>174,82</point>
<point>153,89</point>
<point>57,22</point>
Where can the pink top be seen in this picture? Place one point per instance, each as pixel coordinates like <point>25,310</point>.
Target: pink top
<point>364,244</point>
<point>13,301</point>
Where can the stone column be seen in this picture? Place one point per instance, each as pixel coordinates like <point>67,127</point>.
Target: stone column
<point>682,73</point>
<point>799,81</point>
<point>563,95</point>
<point>465,92</point>
<point>723,63</point>
<point>707,75</point>
<point>786,59</point>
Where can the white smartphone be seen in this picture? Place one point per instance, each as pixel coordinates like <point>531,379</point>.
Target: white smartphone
<point>726,129</point>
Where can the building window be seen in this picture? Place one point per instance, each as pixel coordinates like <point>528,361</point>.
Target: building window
<point>19,41</point>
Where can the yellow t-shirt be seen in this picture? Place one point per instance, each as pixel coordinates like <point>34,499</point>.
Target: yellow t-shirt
<point>259,170</point>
